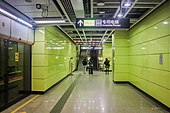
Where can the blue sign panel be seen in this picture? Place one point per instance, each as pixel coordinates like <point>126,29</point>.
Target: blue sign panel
<point>102,23</point>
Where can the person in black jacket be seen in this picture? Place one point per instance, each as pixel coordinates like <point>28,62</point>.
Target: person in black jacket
<point>107,65</point>
<point>90,66</point>
<point>84,65</point>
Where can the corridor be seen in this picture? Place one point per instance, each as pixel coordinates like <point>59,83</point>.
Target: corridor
<point>88,94</point>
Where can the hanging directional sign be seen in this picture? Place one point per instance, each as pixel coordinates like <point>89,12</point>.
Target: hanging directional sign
<point>102,23</point>
<point>91,47</point>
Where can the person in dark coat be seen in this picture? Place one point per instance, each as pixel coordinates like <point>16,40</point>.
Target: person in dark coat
<point>90,66</point>
<point>107,65</point>
<point>84,65</point>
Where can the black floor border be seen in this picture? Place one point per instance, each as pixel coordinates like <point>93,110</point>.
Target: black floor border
<point>147,95</point>
<point>60,104</point>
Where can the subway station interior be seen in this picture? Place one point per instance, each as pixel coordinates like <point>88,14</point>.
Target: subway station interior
<point>43,44</point>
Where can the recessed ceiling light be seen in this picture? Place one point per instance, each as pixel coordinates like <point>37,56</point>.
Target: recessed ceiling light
<point>155,27</point>
<point>102,12</point>
<point>165,22</point>
<point>127,4</point>
<point>49,22</point>
<point>100,3</point>
<point>119,15</point>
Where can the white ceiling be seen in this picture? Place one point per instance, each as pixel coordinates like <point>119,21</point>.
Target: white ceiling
<point>69,10</point>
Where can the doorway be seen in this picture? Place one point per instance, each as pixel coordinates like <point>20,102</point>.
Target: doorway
<point>94,57</point>
<point>12,72</point>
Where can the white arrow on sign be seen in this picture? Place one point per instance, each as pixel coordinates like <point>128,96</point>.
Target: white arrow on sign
<point>80,22</point>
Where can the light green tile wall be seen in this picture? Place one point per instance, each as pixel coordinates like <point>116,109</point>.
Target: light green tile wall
<point>148,40</point>
<point>51,55</point>
<point>107,53</point>
<point>120,56</point>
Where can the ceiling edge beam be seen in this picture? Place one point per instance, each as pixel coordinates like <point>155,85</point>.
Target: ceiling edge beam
<point>118,8</point>
<point>130,8</point>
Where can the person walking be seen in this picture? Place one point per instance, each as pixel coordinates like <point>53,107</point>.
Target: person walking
<point>107,65</point>
<point>71,65</point>
<point>84,65</point>
<point>90,66</point>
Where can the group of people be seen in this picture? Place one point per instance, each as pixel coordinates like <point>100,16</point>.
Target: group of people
<point>89,65</point>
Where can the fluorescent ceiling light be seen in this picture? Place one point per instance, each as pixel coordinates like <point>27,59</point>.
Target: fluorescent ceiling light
<point>8,14</point>
<point>100,4</point>
<point>127,4</point>
<point>120,15</point>
<point>102,12</point>
<point>49,22</point>
<point>15,18</point>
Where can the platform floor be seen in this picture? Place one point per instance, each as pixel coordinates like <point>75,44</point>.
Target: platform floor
<point>84,93</point>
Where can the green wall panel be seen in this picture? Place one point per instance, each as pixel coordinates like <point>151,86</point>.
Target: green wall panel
<point>148,45</point>
<point>120,77</point>
<point>158,46</point>
<point>168,98</point>
<point>40,37</point>
<point>154,62</point>
<point>39,47</point>
<point>135,70</point>
<point>51,80</point>
<point>158,77</point>
<point>169,44</point>
<point>121,68</point>
<point>36,73</point>
<point>139,82</point>
<point>158,92</point>
<point>51,55</point>
<point>121,51</point>
<point>39,60</point>
<point>141,72</point>
<point>120,56</point>
<point>37,84</point>
<point>121,42</point>
<point>121,60</point>
<point>168,81</point>
<point>159,15</point>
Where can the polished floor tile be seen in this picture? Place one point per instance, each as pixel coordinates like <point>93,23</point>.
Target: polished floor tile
<point>92,94</point>
<point>98,94</point>
<point>45,102</point>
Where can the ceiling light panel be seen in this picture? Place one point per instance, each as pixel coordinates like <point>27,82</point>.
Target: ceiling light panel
<point>49,22</point>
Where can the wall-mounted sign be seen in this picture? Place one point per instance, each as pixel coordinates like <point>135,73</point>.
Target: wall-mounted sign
<point>161,58</point>
<point>95,48</point>
<point>16,56</point>
<point>102,23</point>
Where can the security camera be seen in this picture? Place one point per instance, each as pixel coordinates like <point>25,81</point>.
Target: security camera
<point>42,6</point>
